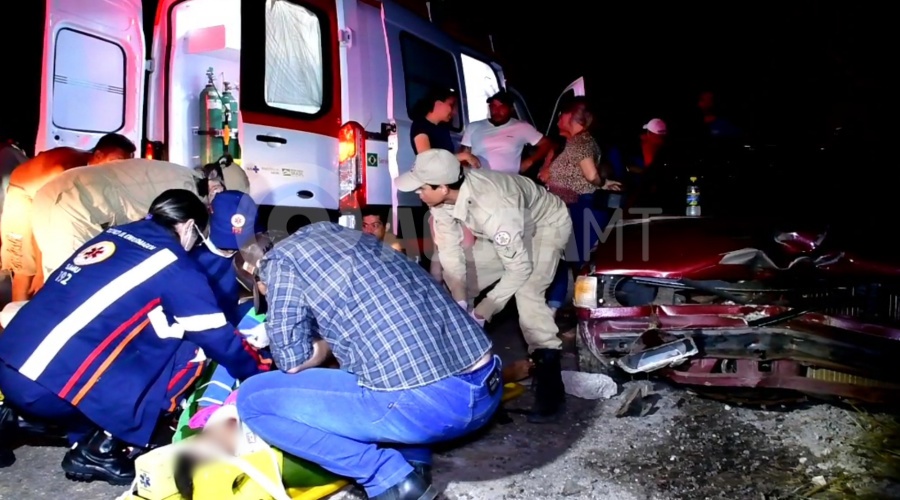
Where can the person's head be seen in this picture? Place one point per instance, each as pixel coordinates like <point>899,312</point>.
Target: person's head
<point>439,105</point>
<point>436,176</point>
<point>654,132</point>
<point>221,435</point>
<point>182,213</point>
<point>232,223</point>
<point>248,261</point>
<point>374,222</point>
<point>500,106</point>
<point>213,181</point>
<point>112,147</point>
<point>575,117</point>
<point>706,102</point>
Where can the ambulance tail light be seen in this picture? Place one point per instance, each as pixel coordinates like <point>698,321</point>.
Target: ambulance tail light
<point>352,166</point>
<point>153,150</point>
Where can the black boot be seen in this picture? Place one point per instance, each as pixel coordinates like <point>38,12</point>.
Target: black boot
<point>549,391</point>
<point>9,425</point>
<point>99,457</point>
<point>412,487</point>
<point>423,470</point>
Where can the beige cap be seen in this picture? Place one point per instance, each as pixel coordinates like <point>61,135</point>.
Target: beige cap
<point>437,167</point>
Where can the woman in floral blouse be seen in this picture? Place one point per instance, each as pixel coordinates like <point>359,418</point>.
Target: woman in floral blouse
<point>574,176</point>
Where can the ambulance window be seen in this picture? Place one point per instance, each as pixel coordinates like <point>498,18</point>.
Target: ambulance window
<point>294,68</point>
<point>481,83</point>
<point>426,66</point>
<point>88,83</point>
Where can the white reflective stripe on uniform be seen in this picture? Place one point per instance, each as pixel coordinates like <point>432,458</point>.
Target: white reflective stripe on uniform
<point>88,311</point>
<point>202,322</point>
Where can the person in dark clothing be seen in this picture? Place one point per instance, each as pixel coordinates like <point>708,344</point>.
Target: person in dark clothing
<point>429,130</point>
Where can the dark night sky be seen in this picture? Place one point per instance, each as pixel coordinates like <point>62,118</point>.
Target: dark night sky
<point>783,68</point>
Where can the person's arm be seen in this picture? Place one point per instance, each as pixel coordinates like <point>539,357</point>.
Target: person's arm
<point>448,236</point>
<point>543,146</point>
<point>465,155</point>
<point>508,229</point>
<point>289,322</point>
<point>17,246</point>
<point>422,143</point>
<point>199,320</point>
<point>592,174</point>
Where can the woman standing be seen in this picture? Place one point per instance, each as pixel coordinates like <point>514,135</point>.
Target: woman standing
<point>574,177</point>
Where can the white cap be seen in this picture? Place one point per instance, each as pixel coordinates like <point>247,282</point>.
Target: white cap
<point>437,167</point>
<point>656,126</point>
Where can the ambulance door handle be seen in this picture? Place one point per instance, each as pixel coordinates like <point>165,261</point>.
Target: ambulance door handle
<point>272,140</point>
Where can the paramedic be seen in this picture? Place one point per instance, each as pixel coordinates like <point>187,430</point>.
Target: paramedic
<point>498,142</point>
<point>414,368</point>
<point>79,204</point>
<point>232,219</point>
<point>94,352</point>
<point>18,248</point>
<point>528,229</point>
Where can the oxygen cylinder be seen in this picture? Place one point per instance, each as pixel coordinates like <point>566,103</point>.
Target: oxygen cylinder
<point>212,119</point>
<point>230,107</point>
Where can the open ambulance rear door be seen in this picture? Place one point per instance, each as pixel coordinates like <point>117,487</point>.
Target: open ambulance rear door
<point>93,72</point>
<point>291,135</point>
<point>575,89</point>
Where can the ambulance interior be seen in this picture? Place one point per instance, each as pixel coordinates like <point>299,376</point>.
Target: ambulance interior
<point>207,34</point>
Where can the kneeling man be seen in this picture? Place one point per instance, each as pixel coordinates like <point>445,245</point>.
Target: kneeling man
<point>415,369</point>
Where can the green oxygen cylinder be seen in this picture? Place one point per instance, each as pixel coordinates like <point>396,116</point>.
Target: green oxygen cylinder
<point>212,117</point>
<point>230,107</point>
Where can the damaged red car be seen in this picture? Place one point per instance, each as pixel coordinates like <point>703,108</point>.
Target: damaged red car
<point>744,306</point>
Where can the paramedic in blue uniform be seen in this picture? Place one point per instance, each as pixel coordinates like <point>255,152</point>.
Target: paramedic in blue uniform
<point>94,351</point>
<point>232,219</point>
<point>415,369</point>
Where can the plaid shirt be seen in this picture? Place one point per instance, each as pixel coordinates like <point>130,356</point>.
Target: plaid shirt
<point>385,318</point>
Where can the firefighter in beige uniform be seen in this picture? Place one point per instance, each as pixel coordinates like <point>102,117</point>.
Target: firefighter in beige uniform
<point>81,203</point>
<point>528,229</point>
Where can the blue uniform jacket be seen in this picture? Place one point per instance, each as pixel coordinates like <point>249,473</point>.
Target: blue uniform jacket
<point>222,279</point>
<point>103,331</point>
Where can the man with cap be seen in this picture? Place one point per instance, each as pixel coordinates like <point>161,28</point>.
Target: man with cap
<point>639,169</point>
<point>498,142</point>
<point>527,228</point>
<point>232,221</point>
<point>19,252</point>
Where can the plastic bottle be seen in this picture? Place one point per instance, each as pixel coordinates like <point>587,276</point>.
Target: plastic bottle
<point>693,198</point>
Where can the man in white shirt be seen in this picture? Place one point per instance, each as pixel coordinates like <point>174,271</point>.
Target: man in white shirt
<point>498,142</point>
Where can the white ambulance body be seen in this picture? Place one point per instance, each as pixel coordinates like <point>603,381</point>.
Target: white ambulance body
<point>324,87</point>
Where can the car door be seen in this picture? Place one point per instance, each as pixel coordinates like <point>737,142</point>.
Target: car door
<point>291,102</point>
<point>421,58</point>
<point>93,73</point>
<point>575,89</point>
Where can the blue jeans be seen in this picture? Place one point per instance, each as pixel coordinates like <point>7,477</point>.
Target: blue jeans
<point>587,222</point>
<point>324,416</point>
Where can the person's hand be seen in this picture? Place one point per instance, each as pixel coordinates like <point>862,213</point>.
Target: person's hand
<point>525,165</point>
<point>544,174</point>
<point>469,159</point>
<point>611,186</point>
<point>321,351</point>
<point>257,336</point>
<point>478,319</point>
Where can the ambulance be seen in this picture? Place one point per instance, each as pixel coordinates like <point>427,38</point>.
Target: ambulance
<point>313,97</point>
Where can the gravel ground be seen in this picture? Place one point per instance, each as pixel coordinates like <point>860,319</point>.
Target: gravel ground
<point>683,447</point>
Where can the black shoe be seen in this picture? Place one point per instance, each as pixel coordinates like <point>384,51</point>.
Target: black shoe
<point>423,470</point>
<point>549,391</point>
<point>99,457</point>
<point>412,487</point>
<point>9,425</point>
